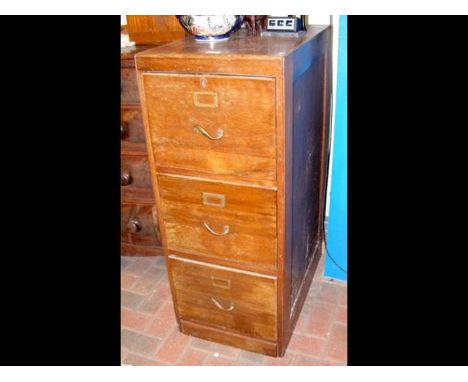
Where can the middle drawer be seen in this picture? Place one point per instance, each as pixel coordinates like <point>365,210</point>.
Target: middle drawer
<point>236,224</point>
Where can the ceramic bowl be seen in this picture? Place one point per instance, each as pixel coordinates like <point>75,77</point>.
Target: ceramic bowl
<point>210,27</point>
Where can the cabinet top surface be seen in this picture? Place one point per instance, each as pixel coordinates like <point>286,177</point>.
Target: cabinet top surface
<point>129,52</point>
<point>240,44</point>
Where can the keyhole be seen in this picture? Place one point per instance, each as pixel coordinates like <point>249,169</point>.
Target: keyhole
<point>204,82</point>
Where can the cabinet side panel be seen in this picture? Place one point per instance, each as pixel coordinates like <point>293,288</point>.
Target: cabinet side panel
<point>307,142</point>
<point>306,93</point>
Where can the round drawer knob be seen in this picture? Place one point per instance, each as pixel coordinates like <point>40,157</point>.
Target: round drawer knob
<point>134,226</point>
<point>125,179</point>
<point>123,130</point>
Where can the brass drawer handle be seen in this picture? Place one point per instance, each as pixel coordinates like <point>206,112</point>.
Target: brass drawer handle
<point>231,306</point>
<point>213,232</point>
<point>202,131</point>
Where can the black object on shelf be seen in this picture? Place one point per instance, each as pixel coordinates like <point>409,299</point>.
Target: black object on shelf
<point>285,24</point>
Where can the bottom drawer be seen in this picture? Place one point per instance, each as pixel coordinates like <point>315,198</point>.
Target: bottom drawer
<point>242,302</point>
<point>229,338</point>
<point>138,225</point>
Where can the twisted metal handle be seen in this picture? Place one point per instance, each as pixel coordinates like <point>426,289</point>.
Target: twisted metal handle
<point>218,305</point>
<point>199,129</point>
<point>213,232</point>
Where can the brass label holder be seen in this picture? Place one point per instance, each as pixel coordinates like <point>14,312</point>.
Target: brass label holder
<point>220,283</point>
<point>214,200</point>
<point>205,99</point>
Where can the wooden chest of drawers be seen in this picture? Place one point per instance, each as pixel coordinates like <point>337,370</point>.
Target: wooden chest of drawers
<point>138,223</point>
<point>237,136</point>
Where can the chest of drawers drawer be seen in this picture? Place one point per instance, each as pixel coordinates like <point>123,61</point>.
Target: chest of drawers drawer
<point>221,297</point>
<point>132,133</point>
<point>128,86</point>
<point>219,126</point>
<point>135,178</point>
<point>236,224</point>
<point>138,225</point>
<point>140,235</point>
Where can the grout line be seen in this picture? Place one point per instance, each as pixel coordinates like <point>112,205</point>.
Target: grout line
<point>166,338</point>
<point>187,347</point>
<point>333,321</point>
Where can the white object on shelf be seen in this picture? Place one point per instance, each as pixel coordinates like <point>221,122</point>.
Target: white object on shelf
<point>125,41</point>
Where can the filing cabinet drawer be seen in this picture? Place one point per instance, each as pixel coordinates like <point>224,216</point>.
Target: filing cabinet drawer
<point>220,126</point>
<point>135,178</point>
<point>233,223</point>
<point>242,302</point>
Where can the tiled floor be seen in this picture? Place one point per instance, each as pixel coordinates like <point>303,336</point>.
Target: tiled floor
<point>150,335</point>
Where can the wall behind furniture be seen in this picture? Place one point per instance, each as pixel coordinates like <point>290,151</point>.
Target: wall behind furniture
<point>337,199</point>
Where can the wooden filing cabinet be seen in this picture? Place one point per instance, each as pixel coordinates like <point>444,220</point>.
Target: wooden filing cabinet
<point>237,134</point>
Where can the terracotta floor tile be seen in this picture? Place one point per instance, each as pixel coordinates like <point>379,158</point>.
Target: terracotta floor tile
<point>219,361</point>
<point>287,360</point>
<point>337,346</point>
<point>224,351</point>
<point>133,320</point>
<point>310,346</point>
<point>130,300</point>
<point>127,280</point>
<point>152,303</point>
<point>342,314</point>
<point>125,262</point>
<point>320,320</point>
<point>192,358</point>
<point>249,358</point>
<point>173,347</point>
<point>147,282</point>
<point>301,360</point>
<point>136,360</point>
<point>139,266</point>
<point>161,329</point>
<point>344,297</point>
<point>139,343</point>
<point>329,292</point>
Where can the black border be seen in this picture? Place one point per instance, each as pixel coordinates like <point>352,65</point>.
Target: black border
<point>60,281</point>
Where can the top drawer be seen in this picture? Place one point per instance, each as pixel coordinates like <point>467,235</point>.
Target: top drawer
<point>213,126</point>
